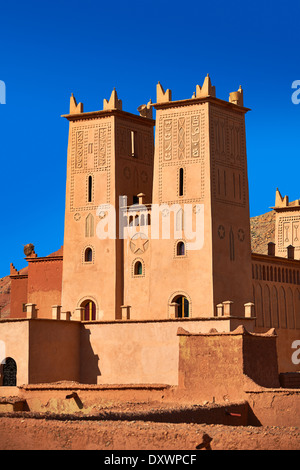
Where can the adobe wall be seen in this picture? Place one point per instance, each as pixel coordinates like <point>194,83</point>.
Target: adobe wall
<point>276,288</point>
<point>54,349</point>
<point>220,366</point>
<point>279,407</point>
<point>124,352</point>
<point>285,340</point>
<point>137,351</point>
<point>71,397</point>
<point>15,336</point>
<point>18,295</point>
<point>45,284</point>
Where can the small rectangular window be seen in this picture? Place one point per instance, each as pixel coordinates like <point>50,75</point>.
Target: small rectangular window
<point>90,188</point>
<point>181,177</point>
<point>133,144</point>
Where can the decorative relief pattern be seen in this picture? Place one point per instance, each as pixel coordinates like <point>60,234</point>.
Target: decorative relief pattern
<point>139,243</point>
<point>135,174</point>
<point>90,141</point>
<point>79,149</point>
<point>182,140</point>
<point>228,153</point>
<point>289,233</point>
<point>231,245</point>
<point>221,231</point>
<point>167,140</point>
<point>241,234</point>
<point>100,155</point>
<point>195,136</point>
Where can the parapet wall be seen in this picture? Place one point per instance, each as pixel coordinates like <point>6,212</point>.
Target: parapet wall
<point>139,352</point>
<point>219,366</point>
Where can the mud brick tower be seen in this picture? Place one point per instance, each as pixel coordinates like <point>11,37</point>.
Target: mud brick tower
<point>200,158</point>
<point>110,153</point>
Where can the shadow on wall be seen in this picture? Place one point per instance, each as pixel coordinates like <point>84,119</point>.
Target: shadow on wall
<point>89,361</point>
<point>76,399</point>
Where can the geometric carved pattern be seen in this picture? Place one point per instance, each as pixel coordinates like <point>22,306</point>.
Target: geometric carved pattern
<point>181,136</point>
<point>90,154</point>
<point>79,149</point>
<point>139,243</point>
<point>182,140</point>
<point>289,232</point>
<point>228,153</point>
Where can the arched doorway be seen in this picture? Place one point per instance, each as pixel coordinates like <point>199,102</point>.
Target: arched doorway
<point>9,370</point>
<point>89,313</point>
<point>183,306</point>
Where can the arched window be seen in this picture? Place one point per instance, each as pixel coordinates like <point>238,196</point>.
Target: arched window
<point>180,249</point>
<point>88,255</point>
<point>181,182</point>
<point>183,310</point>
<point>138,269</point>
<point>89,313</point>
<point>9,370</point>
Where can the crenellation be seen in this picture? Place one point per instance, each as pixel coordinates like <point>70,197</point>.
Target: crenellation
<point>113,102</point>
<point>74,107</point>
<point>161,95</point>
<point>206,90</point>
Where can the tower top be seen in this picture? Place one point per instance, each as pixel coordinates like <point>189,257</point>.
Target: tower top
<point>284,203</point>
<point>206,92</point>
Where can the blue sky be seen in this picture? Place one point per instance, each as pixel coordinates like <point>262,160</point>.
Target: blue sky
<point>50,49</point>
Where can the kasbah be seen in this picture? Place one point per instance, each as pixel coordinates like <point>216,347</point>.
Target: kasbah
<point>145,328</point>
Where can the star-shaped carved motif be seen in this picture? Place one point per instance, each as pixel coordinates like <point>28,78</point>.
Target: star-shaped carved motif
<point>221,231</point>
<point>241,235</point>
<point>138,244</point>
